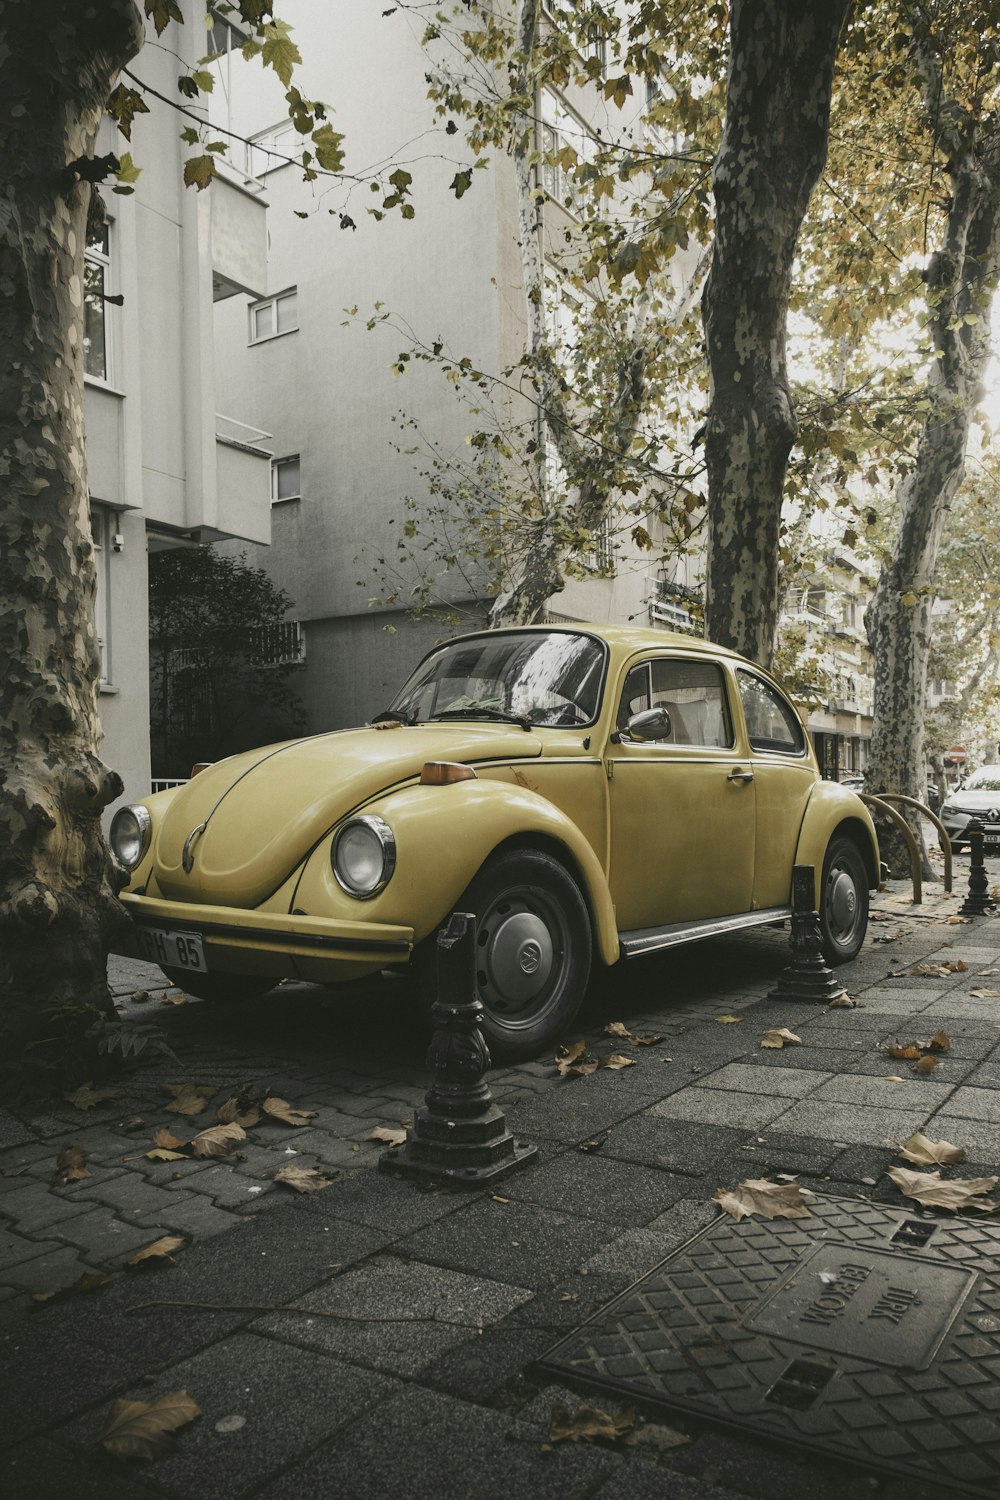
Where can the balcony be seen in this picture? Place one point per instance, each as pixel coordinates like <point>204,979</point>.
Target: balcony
<point>243,481</point>
<point>239,240</point>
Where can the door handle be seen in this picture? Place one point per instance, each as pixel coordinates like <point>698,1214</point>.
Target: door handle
<point>737,775</point>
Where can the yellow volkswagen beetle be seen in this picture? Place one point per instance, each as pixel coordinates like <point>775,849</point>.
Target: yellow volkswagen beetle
<point>589,793</point>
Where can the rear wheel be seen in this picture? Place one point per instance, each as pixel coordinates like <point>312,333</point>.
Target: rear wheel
<point>843,907</point>
<point>533,951</point>
<point>222,989</point>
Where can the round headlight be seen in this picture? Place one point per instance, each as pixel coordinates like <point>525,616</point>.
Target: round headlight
<point>364,856</point>
<point>131,828</point>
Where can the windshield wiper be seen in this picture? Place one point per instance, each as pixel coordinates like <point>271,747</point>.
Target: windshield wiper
<point>485,713</point>
<point>392,715</point>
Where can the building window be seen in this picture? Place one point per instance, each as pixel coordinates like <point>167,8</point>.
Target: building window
<point>562,141</point>
<point>272,149</point>
<point>223,36</point>
<point>285,479</point>
<point>100,529</point>
<point>273,316</point>
<point>97,329</point>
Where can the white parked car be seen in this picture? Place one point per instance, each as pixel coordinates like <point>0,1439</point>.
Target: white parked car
<point>978,796</point>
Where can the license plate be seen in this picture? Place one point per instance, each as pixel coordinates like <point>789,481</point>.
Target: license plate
<point>175,950</point>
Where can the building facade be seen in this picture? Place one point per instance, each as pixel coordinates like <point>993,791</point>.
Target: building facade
<point>165,468</point>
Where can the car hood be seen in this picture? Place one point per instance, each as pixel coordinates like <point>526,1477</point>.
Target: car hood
<point>972,800</point>
<point>257,815</point>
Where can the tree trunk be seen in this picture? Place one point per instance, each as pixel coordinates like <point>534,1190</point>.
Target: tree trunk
<point>961,279</point>
<point>773,151</point>
<point>58,905</point>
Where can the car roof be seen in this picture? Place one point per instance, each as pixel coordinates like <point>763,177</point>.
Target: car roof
<point>625,638</point>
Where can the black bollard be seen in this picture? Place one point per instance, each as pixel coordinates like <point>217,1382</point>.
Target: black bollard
<point>807,976</point>
<point>461,1137</point>
<point>977,903</point>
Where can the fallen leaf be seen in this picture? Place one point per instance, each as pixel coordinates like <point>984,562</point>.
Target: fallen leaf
<point>772,1200</point>
<point>232,1113</point>
<point>960,1192</point>
<point>985,994</point>
<point>778,1036</point>
<point>939,1042</point>
<point>587,1424</point>
<point>161,1249</point>
<point>140,997</point>
<point>910,1051</point>
<point>89,1282</point>
<point>618,1028</point>
<point>302,1179</point>
<point>160,1153</point>
<point>569,1059</point>
<point>86,1096</point>
<point>70,1166</point>
<point>218,1140</point>
<point>941,971</point>
<point>140,1429</point>
<point>280,1109</point>
<point>893,1078</point>
<point>654,1435</point>
<point>842,1002</point>
<point>647,1041</point>
<point>594,1144</point>
<point>174,998</point>
<point>926,1064</point>
<point>927,1153</point>
<point>164,1136</point>
<point>385,1133</point>
<point>616,1062</point>
<point>729,1020</point>
<point>957,921</point>
<point>186,1100</point>
<point>985,973</point>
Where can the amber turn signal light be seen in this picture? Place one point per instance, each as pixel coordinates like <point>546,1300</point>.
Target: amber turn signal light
<point>200,765</point>
<point>444,772</point>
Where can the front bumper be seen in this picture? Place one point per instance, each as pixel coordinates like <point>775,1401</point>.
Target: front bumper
<point>957,824</point>
<point>237,941</point>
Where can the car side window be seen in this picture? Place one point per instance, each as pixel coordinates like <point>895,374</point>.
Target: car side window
<point>692,692</point>
<point>772,723</point>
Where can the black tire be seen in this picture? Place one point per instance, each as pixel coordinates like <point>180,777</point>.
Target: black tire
<point>221,989</point>
<point>534,951</point>
<point>843,907</point>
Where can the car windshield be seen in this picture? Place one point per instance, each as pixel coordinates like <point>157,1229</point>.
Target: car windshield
<point>987,779</point>
<point>532,677</point>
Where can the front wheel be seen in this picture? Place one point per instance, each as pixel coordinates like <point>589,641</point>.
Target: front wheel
<point>843,908</point>
<point>222,989</point>
<point>533,951</point>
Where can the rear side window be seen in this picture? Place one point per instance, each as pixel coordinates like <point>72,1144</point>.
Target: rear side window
<point>772,723</point>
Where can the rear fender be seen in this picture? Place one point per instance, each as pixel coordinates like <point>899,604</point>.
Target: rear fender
<point>444,835</point>
<point>833,810</point>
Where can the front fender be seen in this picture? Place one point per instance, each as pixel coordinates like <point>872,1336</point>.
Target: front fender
<point>832,809</point>
<point>443,837</point>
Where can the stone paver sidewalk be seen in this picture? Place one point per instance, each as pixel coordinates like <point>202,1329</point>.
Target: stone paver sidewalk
<point>377,1338</point>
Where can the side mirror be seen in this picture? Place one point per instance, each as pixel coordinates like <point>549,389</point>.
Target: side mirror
<point>651,725</point>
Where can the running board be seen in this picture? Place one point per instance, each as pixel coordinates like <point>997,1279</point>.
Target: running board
<point>651,939</point>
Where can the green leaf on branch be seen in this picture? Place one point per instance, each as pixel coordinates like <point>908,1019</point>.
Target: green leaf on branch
<point>127,174</point>
<point>279,51</point>
<point>123,106</point>
<point>162,12</point>
<point>461,182</point>
<point>327,142</point>
<point>199,171</point>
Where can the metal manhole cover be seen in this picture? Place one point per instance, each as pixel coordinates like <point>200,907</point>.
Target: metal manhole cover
<point>862,1331</point>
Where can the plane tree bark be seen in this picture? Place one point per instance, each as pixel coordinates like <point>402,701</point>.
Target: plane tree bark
<point>57,880</point>
<point>961,279</point>
<point>773,150</point>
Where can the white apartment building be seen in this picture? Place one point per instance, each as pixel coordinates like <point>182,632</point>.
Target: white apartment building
<point>165,468</point>
<point>294,364</point>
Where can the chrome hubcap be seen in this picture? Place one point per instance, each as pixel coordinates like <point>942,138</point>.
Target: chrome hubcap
<point>521,946</point>
<point>842,905</point>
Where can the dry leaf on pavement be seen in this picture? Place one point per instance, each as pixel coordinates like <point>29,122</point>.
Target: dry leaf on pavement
<point>187,1098</point>
<point>86,1096</point>
<point>88,1282</point>
<point>728,1020</point>
<point>302,1179</point>
<point>218,1140</point>
<point>772,1200</point>
<point>960,1192</point>
<point>908,1053</point>
<point>588,1423</point>
<point>387,1134</point>
<point>941,971</point>
<point>140,1429</point>
<point>164,1136</point>
<point>985,994</point>
<point>927,1153</point>
<point>618,1028</point>
<point>233,1113</point>
<point>656,1435</point>
<point>778,1036</point>
<point>70,1166</point>
<point>280,1109</point>
<point>161,1249</point>
<point>892,1078</point>
<point>161,1153</point>
<point>957,921</point>
<point>616,1061</point>
<point>926,1064</point>
<point>842,1002</point>
<point>572,1061</point>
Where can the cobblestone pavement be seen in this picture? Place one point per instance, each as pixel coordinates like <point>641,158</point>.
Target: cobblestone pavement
<point>377,1337</point>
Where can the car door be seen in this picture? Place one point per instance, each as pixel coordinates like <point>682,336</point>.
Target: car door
<point>784,776</point>
<point>682,804</point>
